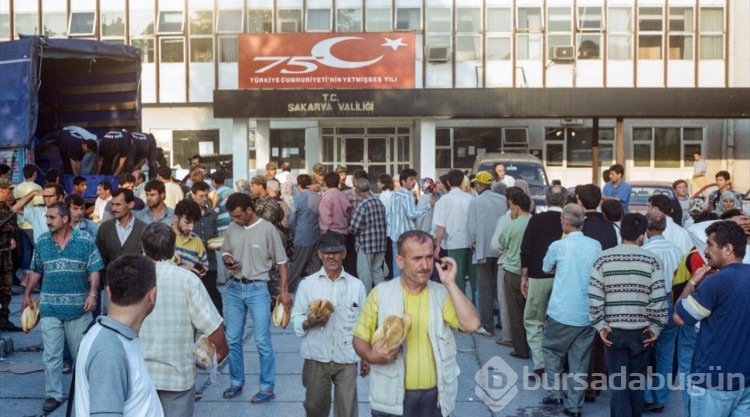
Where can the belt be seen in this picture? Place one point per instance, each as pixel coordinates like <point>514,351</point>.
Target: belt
<point>247,281</point>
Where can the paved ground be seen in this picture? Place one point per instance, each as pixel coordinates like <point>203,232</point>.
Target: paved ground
<point>23,394</point>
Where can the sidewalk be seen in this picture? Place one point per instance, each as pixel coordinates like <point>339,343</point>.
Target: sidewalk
<point>23,394</point>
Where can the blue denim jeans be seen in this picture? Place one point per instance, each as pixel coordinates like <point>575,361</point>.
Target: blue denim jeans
<point>687,338</point>
<point>241,298</point>
<point>55,333</point>
<point>664,350</point>
<point>627,363</point>
<point>707,402</point>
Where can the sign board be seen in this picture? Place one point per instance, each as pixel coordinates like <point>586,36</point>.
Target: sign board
<point>326,60</point>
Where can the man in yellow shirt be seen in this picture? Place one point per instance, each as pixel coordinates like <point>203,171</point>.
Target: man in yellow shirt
<point>422,372</point>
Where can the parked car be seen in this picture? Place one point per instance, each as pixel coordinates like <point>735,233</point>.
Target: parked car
<point>642,190</point>
<point>520,166</point>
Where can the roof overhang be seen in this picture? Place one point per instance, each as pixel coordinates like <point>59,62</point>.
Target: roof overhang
<point>487,103</point>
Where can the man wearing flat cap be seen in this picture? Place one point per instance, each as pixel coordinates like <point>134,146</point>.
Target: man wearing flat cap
<point>326,341</point>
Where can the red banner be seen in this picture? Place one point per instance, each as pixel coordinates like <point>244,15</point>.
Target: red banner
<point>327,60</point>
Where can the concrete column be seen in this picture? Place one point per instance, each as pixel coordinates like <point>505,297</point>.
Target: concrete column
<point>424,148</point>
<point>312,148</point>
<point>262,146</point>
<point>239,149</point>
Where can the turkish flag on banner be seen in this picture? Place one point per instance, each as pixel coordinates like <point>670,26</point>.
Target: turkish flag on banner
<point>327,60</point>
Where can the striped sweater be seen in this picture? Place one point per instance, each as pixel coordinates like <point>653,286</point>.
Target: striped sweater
<point>626,290</point>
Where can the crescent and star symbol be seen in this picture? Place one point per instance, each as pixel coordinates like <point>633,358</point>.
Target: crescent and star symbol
<point>322,52</point>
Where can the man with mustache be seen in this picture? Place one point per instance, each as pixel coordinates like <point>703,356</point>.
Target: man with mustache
<point>120,235</point>
<point>70,263</point>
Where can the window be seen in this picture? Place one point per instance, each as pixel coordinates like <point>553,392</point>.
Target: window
<point>499,26</point>
<point>259,21</point>
<point>650,27</point>
<point>559,28</point>
<point>172,50</point>
<point>5,25</point>
<point>170,22</point>
<point>113,24</point>
<point>82,24</point>
<point>681,29</point>
<point>378,19</point>
<point>25,24</point>
<point>55,24</point>
<point>468,19</point>
<point>589,46</point>
<point>227,49</point>
<point>408,18</point>
<point>318,20</point>
<point>289,145</point>
<point>530,19</point>
<point>458,147</point>
<point>529,46</point>
<point>201,50</point>
<point>349,20</point>
<point>146,48</point>
<point>201,22</point>
<point>229,21</point>
<point>620,38</point>
<point>289,21</point>
<point>438,19</point>
<point>711,33</point>
<point>667,147</point>
<point>498,19</point>
<point>141,23</point>
<point>590,18</point>
<point>186,143</point>
<point>573,146</point>
<point>468,39</point>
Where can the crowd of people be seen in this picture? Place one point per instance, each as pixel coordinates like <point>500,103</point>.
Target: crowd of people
<point>589,293</point>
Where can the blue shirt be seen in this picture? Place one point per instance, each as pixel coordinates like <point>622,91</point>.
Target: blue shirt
<point>303,220</point>
<point>722,305</point>
<point>622,193</point>
<point>402,214</point>
<point>88,226</point>
<point>572,258</point>
<point>66,274</point>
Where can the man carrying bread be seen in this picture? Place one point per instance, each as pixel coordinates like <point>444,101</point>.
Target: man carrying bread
<point>325,311</point>
<point>183,308</point>
<point>414,373</point>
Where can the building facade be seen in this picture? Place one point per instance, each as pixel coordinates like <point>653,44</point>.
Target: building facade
<point>192,80</point>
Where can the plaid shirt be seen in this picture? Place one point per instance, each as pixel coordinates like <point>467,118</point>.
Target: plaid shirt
<point>369,225</point>
<point>182,308</point>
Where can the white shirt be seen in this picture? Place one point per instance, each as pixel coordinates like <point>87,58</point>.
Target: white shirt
<point>678,235</point>
<point>450,213</point>
<point>123,232</point>
<point>99,206</point>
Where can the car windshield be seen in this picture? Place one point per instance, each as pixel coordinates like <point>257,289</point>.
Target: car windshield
<point>639,194</point>
<point>531,173</point>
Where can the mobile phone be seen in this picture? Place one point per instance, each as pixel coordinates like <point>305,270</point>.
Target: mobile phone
<point>199,267</point>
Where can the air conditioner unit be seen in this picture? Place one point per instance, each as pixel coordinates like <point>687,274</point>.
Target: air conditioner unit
<point>571,122</point>
<point>438,53</point>
<point>563,53</point>
<point>289,26</point>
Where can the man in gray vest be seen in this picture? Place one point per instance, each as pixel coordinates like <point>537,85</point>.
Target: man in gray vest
<point>395,388</point>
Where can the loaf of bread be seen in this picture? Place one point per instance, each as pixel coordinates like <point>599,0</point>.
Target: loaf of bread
<point>30,316</point>
<point>319,309</point>
<point>280,314</point>
<point>203,352</point>
<point>394,330</point>
<point>215,243</point>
